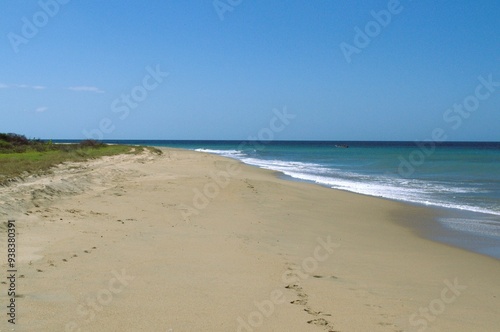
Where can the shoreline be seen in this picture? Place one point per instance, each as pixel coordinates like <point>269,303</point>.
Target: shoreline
<point>431,229</point>
<point>262,254</point>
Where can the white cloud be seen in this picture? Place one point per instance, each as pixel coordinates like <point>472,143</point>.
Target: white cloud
<point>21,86</point>
<point>82,88</point>
<point>86,89</point>
<point>41,109</point>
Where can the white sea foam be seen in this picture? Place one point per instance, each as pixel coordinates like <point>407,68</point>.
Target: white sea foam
<point>226,153</point>
<point>477,226</point>
<point>395,188</point>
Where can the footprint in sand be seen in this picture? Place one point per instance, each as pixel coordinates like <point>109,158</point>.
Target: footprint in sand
<point>319,321</point>
<point>312,312</point>
<point>303,297</point>
<point>322,322</point>
<point>294,287</point>
<point>324,277</point>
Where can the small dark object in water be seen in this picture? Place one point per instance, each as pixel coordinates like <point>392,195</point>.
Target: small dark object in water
<point>344,146</point>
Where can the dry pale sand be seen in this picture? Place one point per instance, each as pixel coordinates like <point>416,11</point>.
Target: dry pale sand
<point>131,243</point>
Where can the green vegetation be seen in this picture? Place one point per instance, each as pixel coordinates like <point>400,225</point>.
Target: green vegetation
<point>20,156</point>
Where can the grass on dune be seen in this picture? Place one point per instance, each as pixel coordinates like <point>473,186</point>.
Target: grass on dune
<point>21,157</point>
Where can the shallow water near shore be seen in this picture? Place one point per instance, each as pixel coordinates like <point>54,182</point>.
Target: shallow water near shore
<point>463,178</point>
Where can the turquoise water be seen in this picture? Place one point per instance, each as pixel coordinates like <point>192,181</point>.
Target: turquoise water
<point>462,178</point>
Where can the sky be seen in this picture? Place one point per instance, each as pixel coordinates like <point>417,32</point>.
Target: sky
<point>224,69</point>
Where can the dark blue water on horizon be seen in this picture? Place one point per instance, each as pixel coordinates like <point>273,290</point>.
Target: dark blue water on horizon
<point>462,177</point>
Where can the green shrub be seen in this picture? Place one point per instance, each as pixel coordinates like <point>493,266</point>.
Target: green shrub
<point>14,139</point>
<point>5,145</point>
<point>91,143</point>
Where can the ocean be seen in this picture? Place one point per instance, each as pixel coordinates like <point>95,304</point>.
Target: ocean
<point>462,179</point>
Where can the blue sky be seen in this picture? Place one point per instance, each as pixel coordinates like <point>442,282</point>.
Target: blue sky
<point>67,65</point>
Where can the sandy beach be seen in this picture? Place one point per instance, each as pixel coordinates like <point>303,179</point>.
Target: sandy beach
<point>188,241</point>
